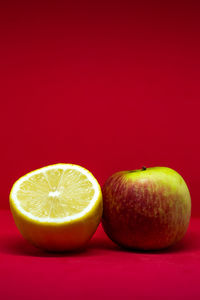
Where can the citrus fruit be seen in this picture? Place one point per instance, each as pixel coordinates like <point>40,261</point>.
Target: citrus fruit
<point>57,207</point>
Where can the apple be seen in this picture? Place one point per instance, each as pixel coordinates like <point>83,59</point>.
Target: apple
<point>146,209</point>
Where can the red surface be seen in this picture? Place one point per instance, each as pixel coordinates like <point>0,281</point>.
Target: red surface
<point>102,271</point>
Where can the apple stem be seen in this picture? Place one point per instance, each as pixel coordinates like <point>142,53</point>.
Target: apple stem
<point>144,168</point>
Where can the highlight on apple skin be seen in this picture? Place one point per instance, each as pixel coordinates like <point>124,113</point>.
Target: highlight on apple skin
<point>146,209</point>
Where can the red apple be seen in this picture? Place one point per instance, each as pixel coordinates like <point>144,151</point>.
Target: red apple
<point>146,209</point>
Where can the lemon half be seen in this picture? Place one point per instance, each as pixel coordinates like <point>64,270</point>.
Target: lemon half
<point>57,207</point>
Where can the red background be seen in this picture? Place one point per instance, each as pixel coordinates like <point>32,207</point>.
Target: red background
<point>109,85</point>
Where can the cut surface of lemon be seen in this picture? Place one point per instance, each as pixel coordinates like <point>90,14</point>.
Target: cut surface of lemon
<point>58,195</point>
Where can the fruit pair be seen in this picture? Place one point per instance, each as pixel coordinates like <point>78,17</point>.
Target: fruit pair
<point>59,207</point>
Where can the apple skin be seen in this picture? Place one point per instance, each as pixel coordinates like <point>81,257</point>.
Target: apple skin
<point>146,209</point>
